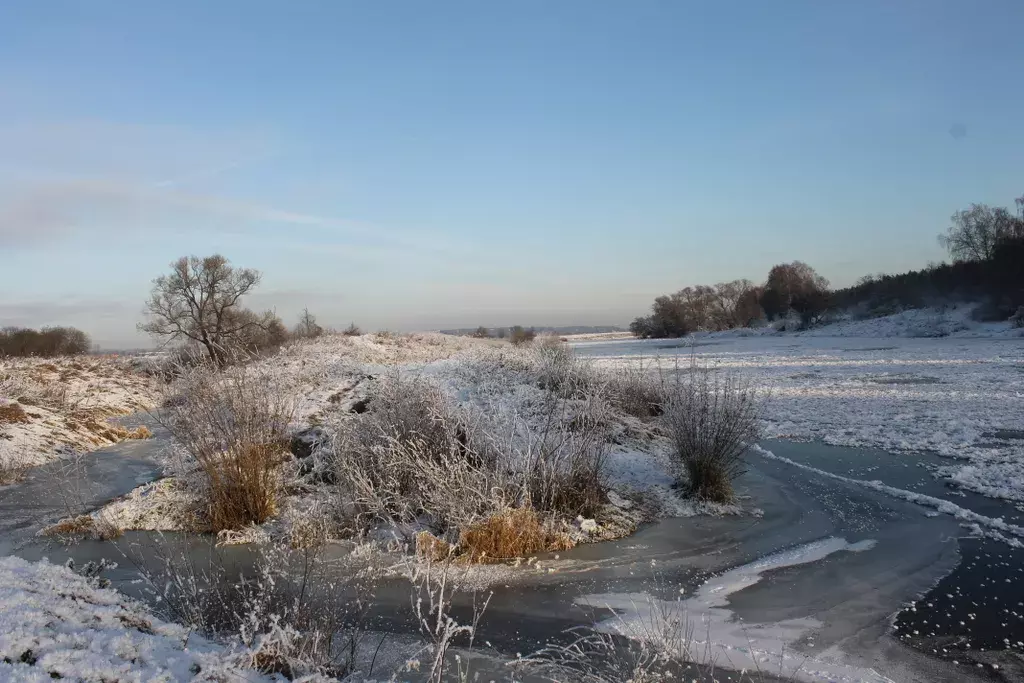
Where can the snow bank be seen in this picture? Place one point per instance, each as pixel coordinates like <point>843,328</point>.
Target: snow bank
<point>55,623</point>
<point>58,405</point>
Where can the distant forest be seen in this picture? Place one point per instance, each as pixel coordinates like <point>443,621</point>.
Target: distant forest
<point>985,244</point>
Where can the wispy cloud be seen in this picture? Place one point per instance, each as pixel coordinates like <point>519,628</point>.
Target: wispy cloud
<point>60,180</point>
<point>42,212</point>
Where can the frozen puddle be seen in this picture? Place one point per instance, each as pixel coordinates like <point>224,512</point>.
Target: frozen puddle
<point>703,629</point>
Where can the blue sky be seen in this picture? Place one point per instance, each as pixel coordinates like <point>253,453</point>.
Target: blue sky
<point>427,164</point>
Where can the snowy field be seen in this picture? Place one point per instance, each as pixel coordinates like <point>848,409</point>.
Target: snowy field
<point>961,397</point>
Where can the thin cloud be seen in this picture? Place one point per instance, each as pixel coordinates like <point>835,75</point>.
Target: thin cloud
<point>42,213</point>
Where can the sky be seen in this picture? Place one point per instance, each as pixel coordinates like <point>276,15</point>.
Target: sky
<point>420,165</point>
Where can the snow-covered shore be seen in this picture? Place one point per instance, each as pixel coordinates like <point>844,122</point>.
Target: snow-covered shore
<point>55,623</point>
<point>53,406</point>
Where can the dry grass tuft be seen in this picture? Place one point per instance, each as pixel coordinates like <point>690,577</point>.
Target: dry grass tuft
<point>509,535</point>
<point>12,413</point>
<point>233,427</point>
<point>244,484</point>
<point>140,433</point>
<point>10,472</point>
<point>83,526</point>
<point>433,549</point>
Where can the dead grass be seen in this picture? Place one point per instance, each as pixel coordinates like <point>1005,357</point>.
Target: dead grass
<point>244,485</point>
<point>433,549</point>
<point>505,536</point>
<point>82,526</point>
<point>11,473</point>
<point>509,535</point>
<point>233,426</point>
<point>12,413</point>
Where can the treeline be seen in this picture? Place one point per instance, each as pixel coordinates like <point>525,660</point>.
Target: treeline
<point>47,342</point>
<point>986,246</point>
<point>790,287</point>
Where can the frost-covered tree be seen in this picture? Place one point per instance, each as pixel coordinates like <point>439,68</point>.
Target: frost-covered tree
<point>200,300</point>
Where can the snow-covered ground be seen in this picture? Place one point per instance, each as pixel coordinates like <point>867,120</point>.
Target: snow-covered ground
<point>959,397</point>
<point>55,623</point>
<point>54,406</point>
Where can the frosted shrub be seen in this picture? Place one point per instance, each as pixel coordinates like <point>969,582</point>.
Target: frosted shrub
<point>292,611</point>
<point>636,391</point>
<point>711,419</point>
<point>232,426</point>
<point>410,457</point>
<point>415,458</point>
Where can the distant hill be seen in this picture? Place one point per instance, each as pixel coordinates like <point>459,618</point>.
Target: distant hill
<point>568,329</point>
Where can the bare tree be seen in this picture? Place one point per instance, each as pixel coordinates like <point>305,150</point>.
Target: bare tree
<point>200,300</point>
<point>977,231</point>
<point>481,333</point>
<point>307,327</point>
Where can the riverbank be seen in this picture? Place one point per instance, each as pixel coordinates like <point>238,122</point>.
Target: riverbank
<point>52,408</point>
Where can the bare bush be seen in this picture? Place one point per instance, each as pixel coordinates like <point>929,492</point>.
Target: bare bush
<point>233,426</point>
<point>563,461</point>
<point>636,391</point>
<point>431,603</point>
<point>414,458</point>
<point>11,471</point>
<point>559,370</point>
<point>711,419</point>
<point>352,330</point>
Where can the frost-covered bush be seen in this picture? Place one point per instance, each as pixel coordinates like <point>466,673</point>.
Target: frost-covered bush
<point>416,459</point>
<point>711,419</point>
<point>232,427</point>
<point>409,458</point>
